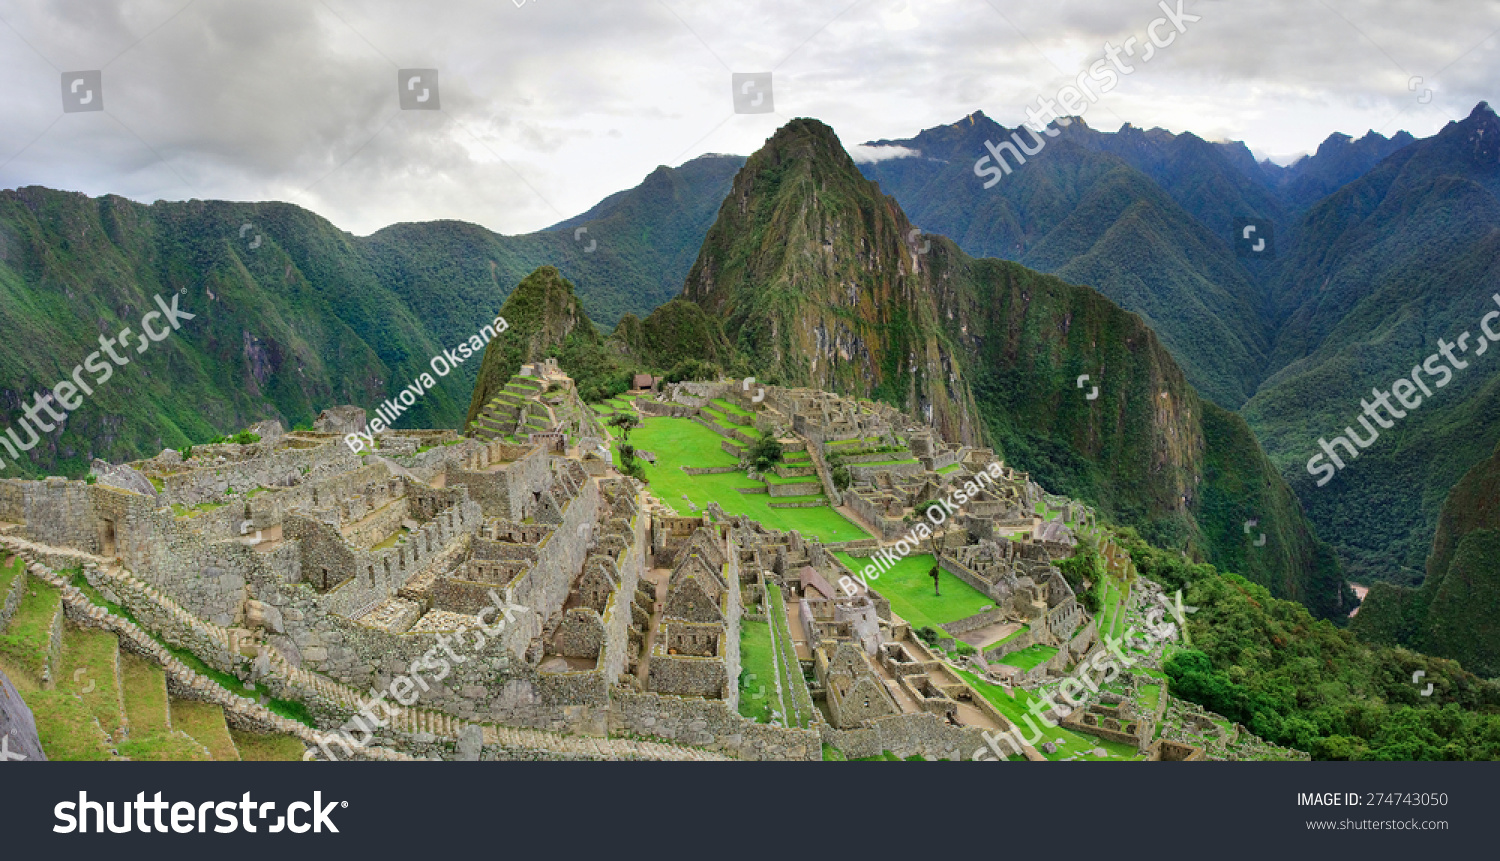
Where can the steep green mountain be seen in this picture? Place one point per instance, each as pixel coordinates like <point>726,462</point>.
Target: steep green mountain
<point>1340,160</point>
<point>1215,183</point>
<point>628,254</point>
<point>1373,278</point>
<point>283,329</point>
<point>818,279</point>
<point>1079,209</point>
<point>546,320</point>
<point>1454,614</point>
<point>1304,683</point>
<point>294,314</point>
<point>811,273</point>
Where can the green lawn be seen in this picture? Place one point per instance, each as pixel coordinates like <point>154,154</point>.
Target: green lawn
<point>758,694</point>
<point>145,695</point>
<point>255,747</point>
<point>786,659</point>
<point>8,573</point>
<point>1030,657</point>
<point>684,442</point>
<point>88,670</point>
<point>204,723</point>
<point>724,406</point>
<point>66,727</point>
<point>1018,707</point>
<point>1111,607</point>
<point>23,645</point>
<point>909,590</point>
<point>809,480</point>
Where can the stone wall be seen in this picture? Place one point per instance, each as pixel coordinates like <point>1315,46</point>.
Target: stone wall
<point>709,724</point>
<point>284,468</point>
<point>976,621</point>
<point>509,492</point>
<point>920,733</point>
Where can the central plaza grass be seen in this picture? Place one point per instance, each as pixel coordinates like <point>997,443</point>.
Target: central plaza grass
<point>909,590</point>
<point>684,442</point>
<point>1069,743</point>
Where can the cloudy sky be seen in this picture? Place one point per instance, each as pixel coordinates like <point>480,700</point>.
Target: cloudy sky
<point>546,106</point>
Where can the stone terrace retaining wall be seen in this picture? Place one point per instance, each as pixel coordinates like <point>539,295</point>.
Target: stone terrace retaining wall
<point>978,620</point>
<point>182,682</point>
<point>920,733</point>
<point>710,724</point>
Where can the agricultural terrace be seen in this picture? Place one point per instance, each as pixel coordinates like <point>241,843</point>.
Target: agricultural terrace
<point>1070,745</point>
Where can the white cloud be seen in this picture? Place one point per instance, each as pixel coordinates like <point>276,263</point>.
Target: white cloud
<point>867,154</point>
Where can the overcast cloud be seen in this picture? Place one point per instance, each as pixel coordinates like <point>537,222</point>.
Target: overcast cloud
<point>549,106</point>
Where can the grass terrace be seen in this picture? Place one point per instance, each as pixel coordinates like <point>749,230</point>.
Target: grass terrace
<point>909,590</point>
<point>1030,657</point>
<point>24,644</point>
<point>758,674</point>
<point>1070,745</point>
<point>724,406</point>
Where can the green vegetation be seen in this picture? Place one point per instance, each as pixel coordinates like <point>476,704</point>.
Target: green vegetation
<point>25,641</point>
<point>1306,684</point>
<point>286,708</point>
<point>1018,709</point>
<point>799,711</point>
<point>909,589</point>
<point>683,442</point>
<point>766,453</point>
<point>1454,613</point>
<point>757,673</point>
<point>1030,657</point>
<point>1382,269</point>
<point>145,695</point>
<point>167,746</point>
<point>204,723</point>
<point>87,669</point>
<point>66,727</point>
<point>256,747</point>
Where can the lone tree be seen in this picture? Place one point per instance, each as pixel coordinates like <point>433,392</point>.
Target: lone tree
<point>765,453</point>
<point>934,575</point>
<point>624,422</point>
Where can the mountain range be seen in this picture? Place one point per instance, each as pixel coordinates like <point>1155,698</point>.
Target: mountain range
<point>796,272</point>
